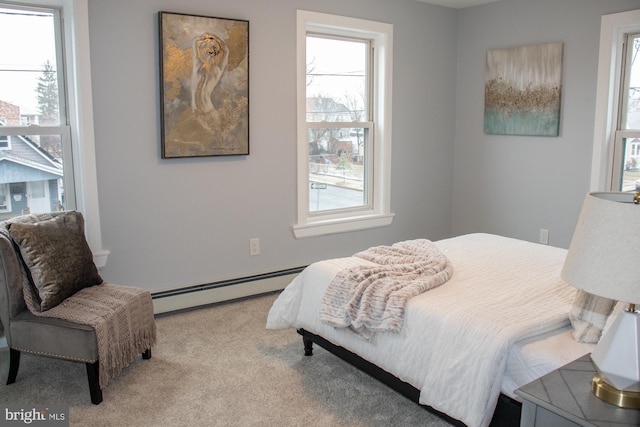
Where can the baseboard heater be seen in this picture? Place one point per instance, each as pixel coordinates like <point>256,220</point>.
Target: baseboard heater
<point>223,290</point>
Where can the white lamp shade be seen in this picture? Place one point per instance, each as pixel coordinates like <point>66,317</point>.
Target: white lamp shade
<point>604,256</point>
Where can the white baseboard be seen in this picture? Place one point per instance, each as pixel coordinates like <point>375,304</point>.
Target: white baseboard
<point>198,297</point>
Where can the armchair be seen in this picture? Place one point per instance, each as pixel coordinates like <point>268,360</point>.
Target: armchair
<point>34,322</point>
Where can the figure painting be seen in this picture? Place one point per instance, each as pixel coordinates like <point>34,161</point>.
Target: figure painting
<point>204,85</point>
<point>522,90</point>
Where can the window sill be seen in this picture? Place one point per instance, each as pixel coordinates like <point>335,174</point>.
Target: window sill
<point>343,225</point>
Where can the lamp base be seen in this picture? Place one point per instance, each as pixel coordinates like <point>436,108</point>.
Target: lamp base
<point>610,394</point>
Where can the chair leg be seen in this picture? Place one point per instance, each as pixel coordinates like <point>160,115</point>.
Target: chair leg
<point>14,364</point>
<point>93,374</point>
<point>147,354</point>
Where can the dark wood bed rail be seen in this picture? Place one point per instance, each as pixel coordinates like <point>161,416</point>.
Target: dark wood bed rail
<point>507,413</point>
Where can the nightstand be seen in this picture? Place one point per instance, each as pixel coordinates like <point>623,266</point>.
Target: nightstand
<point>563,398</point>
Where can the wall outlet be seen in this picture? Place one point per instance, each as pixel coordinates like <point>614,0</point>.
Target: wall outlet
<point>544,236</point>
<point>254,247</point>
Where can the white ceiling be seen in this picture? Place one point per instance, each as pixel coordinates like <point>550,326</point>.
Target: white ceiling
<point>459,4</point>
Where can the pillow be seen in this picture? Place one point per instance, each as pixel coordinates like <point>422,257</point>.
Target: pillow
<point>57,257</point>
<point>589,315</point>
<point>613,316</point>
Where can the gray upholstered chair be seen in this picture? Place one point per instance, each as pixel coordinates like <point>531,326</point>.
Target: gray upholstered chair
<point>46,336</point>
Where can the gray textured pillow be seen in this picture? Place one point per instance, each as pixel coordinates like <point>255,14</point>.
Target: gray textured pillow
<point>57,256</point>
<point>589,315</point>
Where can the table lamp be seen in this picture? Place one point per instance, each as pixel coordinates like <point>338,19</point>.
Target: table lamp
<point>604,260</point>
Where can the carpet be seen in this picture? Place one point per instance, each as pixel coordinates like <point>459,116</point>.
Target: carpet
<point>219,366</point>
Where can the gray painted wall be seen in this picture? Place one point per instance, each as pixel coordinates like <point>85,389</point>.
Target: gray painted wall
<point>179,222</point>
<point>517,185</point>
<point>173,223</point>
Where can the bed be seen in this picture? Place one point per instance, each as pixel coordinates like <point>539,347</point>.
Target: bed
<point>500,321</point>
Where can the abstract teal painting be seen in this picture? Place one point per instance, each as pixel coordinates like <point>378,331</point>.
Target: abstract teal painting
<point>522,90</point>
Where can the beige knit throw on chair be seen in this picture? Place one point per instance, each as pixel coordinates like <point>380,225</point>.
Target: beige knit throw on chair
<point>122,317</point>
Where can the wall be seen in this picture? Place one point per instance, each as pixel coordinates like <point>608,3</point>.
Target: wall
<point>516,185</point>
<point>179,222</point>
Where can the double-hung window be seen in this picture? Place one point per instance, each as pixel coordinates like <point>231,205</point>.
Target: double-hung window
<point>616,160</point>
<point>47,153</point>
<point>32,85</point>
<point>626,154</point>
<point>344,124</point>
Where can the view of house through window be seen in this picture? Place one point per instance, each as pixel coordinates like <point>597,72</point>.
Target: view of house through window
<point>338,122</point>
<point>627,144</point>
<point>34,133</point>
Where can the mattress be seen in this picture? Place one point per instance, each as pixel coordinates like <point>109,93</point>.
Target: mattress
<point>489,273</point>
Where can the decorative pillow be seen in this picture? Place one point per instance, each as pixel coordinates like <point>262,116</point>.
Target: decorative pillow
<point>613,316</point>
<point>57,256</point>
<point>589,315</point>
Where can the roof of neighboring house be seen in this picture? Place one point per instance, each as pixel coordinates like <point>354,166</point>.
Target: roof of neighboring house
<point>25,161</point>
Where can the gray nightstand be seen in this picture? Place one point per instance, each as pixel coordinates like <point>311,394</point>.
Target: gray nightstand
<point>564,398</point>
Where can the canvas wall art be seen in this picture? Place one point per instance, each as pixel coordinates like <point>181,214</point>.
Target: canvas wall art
<point>523,88</point>
<point>204,85</point>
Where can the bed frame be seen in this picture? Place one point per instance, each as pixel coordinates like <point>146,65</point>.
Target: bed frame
<point>507,413</point>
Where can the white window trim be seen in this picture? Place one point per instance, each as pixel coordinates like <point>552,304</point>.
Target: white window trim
<point>75,14</point>
<point>379,214</point>
<point>612,30</point>
<point>8,139</point>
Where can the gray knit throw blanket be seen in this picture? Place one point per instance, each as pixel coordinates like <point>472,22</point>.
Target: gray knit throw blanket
<point>372,298</point>
<point>122,317</point>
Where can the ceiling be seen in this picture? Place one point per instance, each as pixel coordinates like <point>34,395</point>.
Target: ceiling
<point>459,4</point>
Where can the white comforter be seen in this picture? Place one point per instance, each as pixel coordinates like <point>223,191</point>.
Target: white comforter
<point>455,339</point>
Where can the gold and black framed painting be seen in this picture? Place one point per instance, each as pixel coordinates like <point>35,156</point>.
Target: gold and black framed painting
<point>204,85</point>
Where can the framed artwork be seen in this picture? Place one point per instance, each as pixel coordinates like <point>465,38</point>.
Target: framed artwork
<point>522,90</point>
<point>204,85</point>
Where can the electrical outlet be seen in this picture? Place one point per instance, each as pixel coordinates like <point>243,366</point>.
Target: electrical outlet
<point>544,236</point>
<point>254,247</point>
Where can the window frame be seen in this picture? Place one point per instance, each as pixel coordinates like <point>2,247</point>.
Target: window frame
<point>6,192</point>
<point>77,64</point>
<point>377,213</point>
<point>608,144</point>
<point>5,142</point>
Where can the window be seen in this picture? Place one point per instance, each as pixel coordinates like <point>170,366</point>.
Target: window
<point>616,156</point>
<point>626,161</point>
<point>45,99</point>
<point>339,123</point>
<point>31,81</point>
<point>344,124</point>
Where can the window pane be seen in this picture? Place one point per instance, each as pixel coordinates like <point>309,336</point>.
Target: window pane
<point>337,168</point>
<point>630,179</point>
<point>632,120</point>
<point>336,79</point>
<point>336,92</point>
<point>34,174</point>
<point>28,68</point>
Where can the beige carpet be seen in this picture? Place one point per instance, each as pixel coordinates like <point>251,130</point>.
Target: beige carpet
<point>219,366</point>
